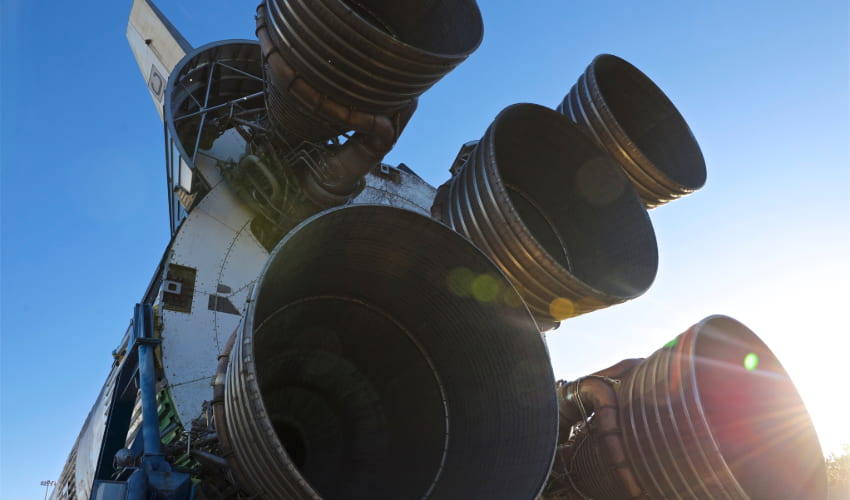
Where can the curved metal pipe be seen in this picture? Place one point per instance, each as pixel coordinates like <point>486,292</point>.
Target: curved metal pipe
<point>628,115</point>
<point>254,161</point>
<point>219,412</point>
<point>595,394</point>
<point>342,168</point>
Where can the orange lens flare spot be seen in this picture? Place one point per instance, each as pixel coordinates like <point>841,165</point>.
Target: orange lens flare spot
<point>562,308</point>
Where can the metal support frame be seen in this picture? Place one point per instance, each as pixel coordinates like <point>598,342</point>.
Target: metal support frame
<point>207,103</point>
<point>118,419</point>
<point>154,478</point>
<point>144,342</point>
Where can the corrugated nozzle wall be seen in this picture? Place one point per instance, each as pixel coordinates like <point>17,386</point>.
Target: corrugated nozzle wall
<point>367,367</point>
<point>714,415</point>
<point>367,56</point>
<point>627,114</point>
<point>711,415</point>
<point>555,212</point>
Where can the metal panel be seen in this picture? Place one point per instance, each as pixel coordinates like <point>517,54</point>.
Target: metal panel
<point>109,490</point>
<point>157,47</point>
<point>397,188</point>
<point>189,397</point>
<point>91,438</point>
<point>185,180</point>
<point>216,240</point>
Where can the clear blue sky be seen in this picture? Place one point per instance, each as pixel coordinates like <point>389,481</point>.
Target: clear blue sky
<point>764,86</point>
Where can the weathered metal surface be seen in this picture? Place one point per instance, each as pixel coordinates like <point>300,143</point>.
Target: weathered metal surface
<point>554,212</point>
<point>91,437</point>
<point>215,240</point>
<point>367,369</point>
<point>396,188</point>
<point>627,114</point>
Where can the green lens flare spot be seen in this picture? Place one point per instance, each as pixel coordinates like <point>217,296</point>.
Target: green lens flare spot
<point>751,361</point>
<point>511,298</point>
<point>485,288</point>
<point>459,281</point>
<point>672,343</point>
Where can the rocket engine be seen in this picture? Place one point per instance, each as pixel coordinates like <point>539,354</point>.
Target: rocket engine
<point>325,325</point>
<point>358,372</point>
<point>555,212</point>
<point>712,414</point>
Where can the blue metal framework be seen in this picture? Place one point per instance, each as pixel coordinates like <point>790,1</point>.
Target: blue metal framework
<point>154,476</point>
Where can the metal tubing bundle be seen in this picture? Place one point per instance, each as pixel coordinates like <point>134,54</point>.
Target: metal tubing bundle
<point>627,114</point>
<point>554,212</point>
<point>365,368</point>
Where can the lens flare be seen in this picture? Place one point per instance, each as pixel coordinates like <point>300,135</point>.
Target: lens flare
<point>459,281</point>
<point>511,298</point>
<point>562,308</point>
<point>751,361</point>
<point>485,288</point>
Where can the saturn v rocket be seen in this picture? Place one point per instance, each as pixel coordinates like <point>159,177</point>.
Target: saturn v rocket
<point>325,325</point>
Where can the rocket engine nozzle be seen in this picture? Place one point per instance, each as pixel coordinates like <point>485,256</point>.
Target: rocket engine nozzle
<point>627,114</point>
<point>710,415</point>
<point>333,66</point>
<point>338,65</point>
<point>555,212</point>
<point>365,369</point>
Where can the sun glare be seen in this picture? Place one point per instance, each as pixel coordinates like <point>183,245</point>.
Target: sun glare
<point>814,353</point>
